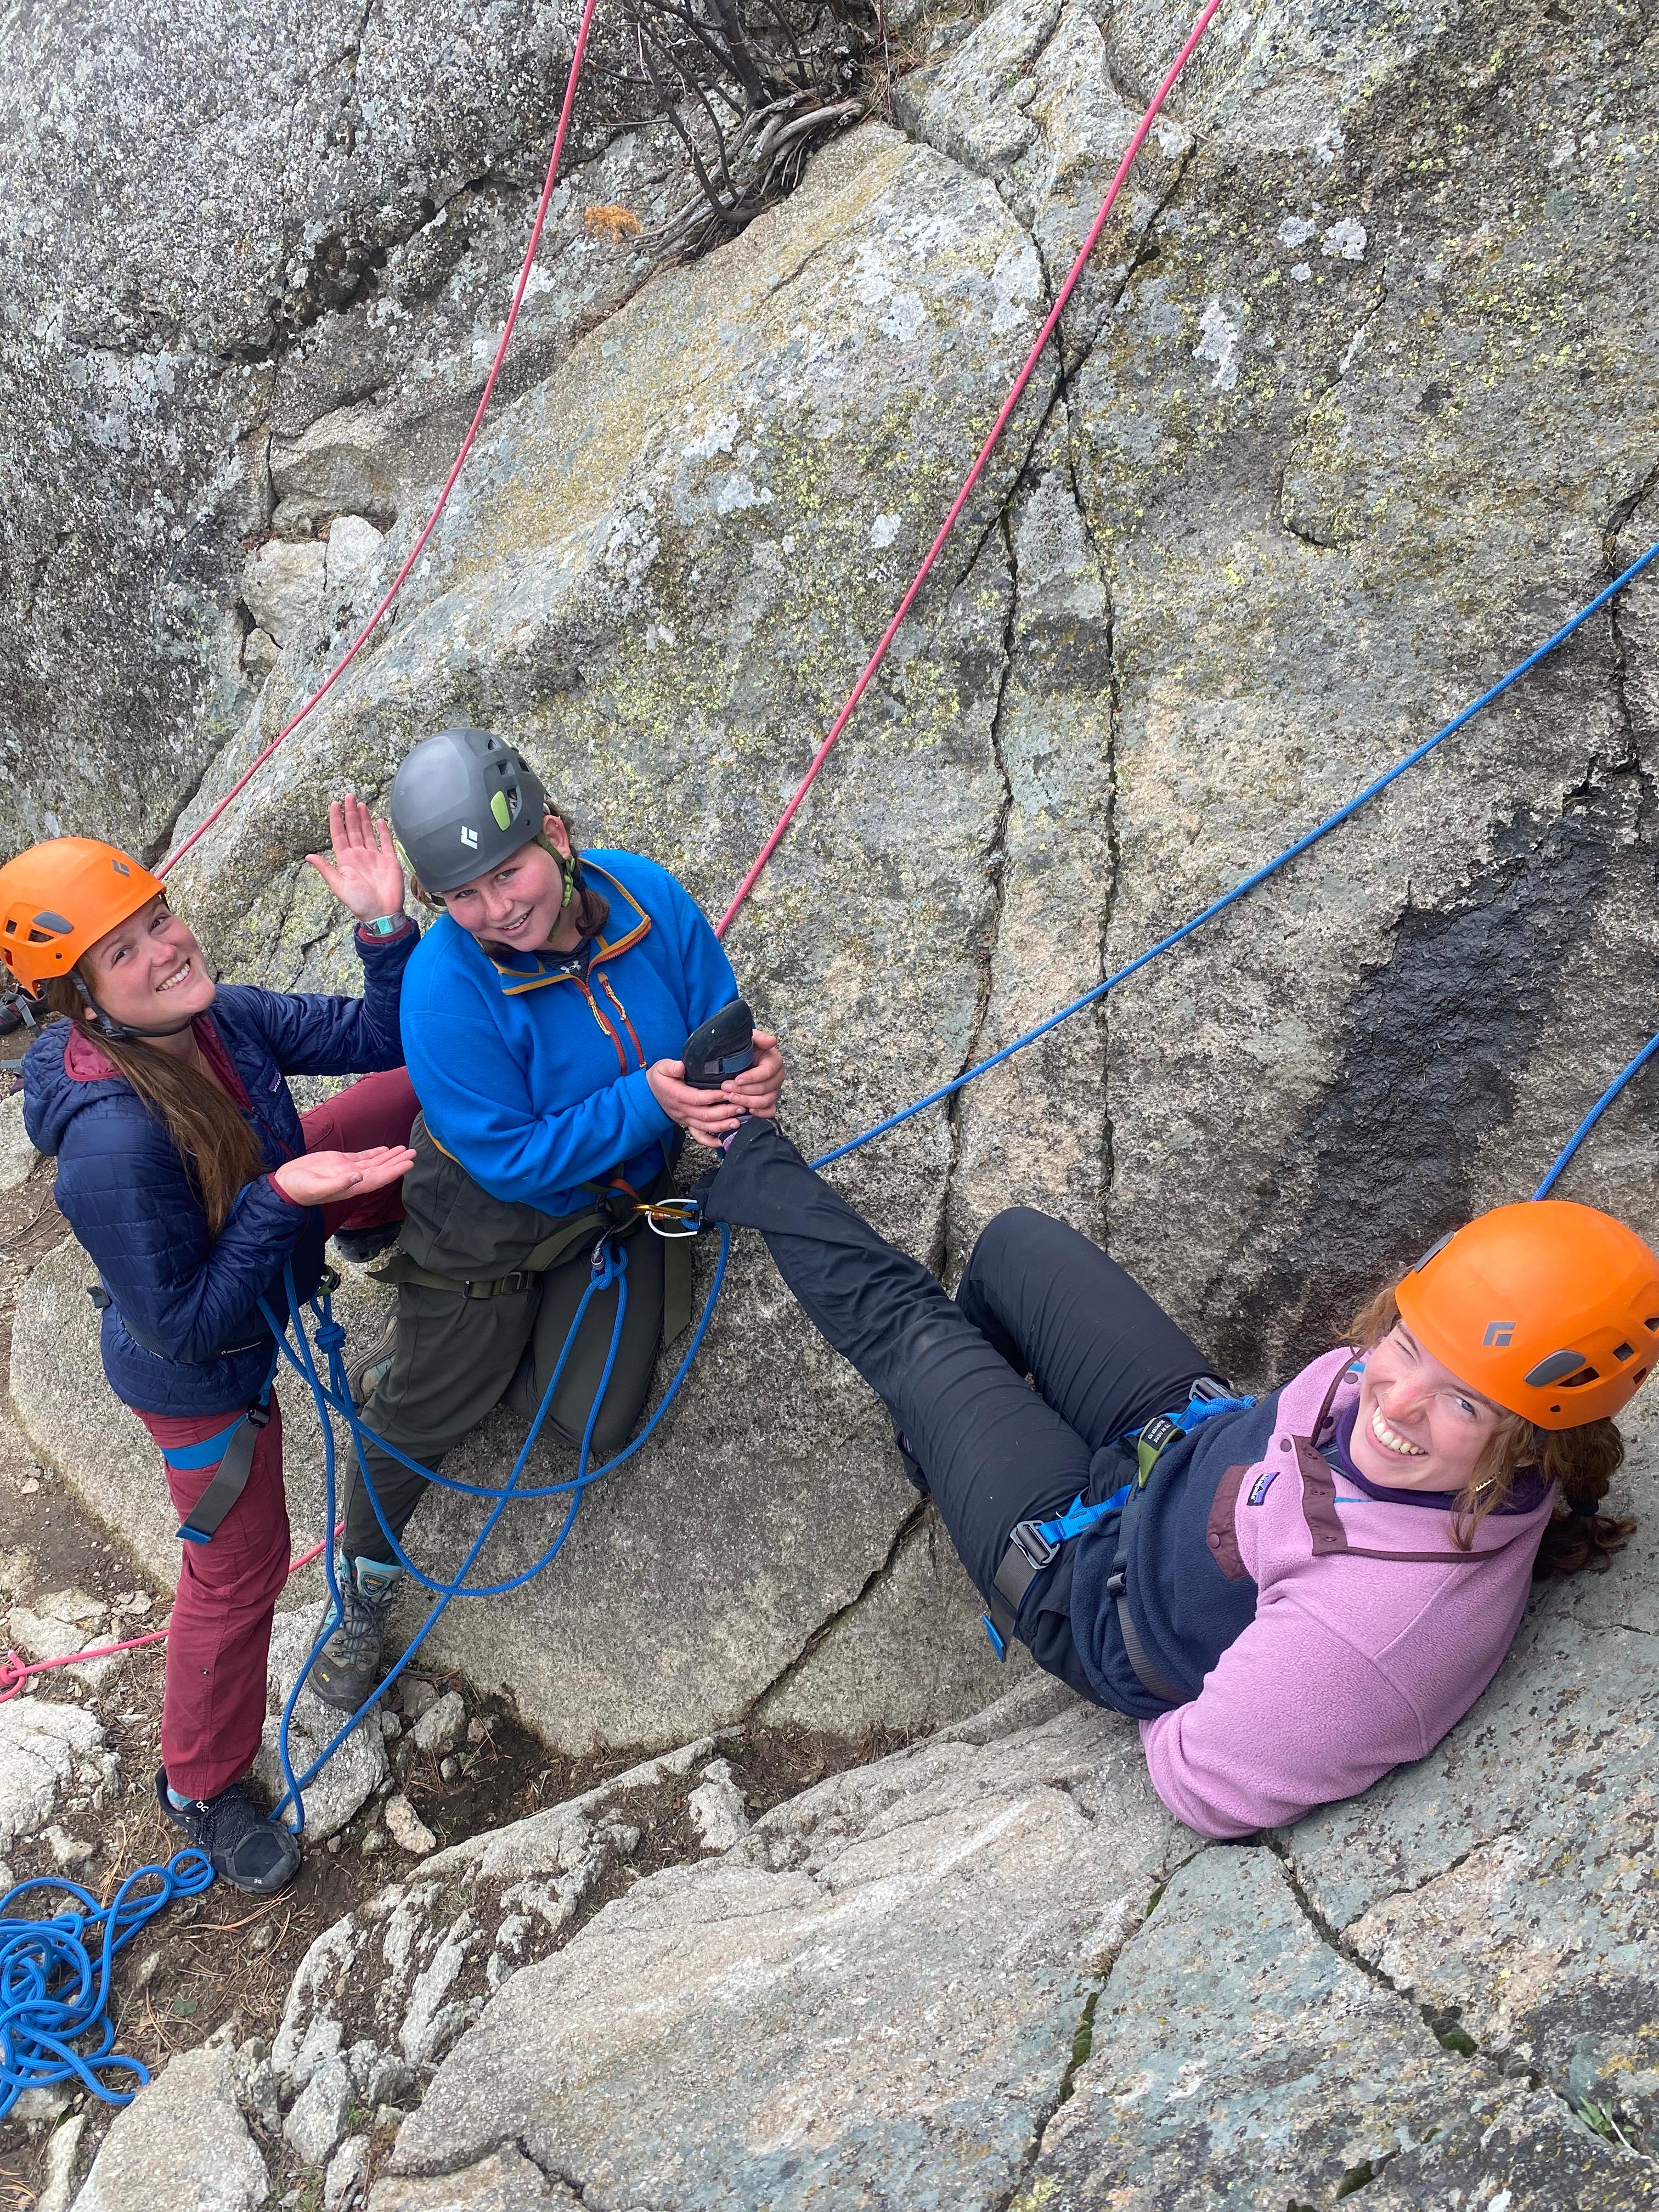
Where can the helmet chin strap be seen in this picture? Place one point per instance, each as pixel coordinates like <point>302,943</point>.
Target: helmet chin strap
<point>122,1032</point>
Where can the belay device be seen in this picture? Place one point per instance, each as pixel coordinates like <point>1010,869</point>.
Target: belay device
<point>722,1048</point>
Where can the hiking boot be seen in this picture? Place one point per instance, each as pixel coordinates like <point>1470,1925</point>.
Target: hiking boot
<point>345,1671</point>
<point>360,1245</point>
<point>366,1373</point>
<point>241,1845</point>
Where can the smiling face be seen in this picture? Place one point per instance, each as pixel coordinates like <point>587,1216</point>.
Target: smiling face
<point>148,972</point>
<point>1418,1426</point>
<point>520,904</point>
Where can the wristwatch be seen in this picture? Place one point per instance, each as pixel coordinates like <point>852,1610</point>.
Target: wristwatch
<point>386,925</point>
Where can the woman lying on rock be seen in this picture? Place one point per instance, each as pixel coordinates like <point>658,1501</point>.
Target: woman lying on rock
<point>191,1181</point>
<point>1291,1596</point>
<point>543,1017</point>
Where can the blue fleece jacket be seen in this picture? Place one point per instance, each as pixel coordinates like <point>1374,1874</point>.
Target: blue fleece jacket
<point>183,1333</point>
<point>531,1072</point>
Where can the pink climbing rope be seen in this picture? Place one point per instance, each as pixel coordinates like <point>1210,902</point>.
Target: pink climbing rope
<point>419,546</point>
<point>14,1670</point>
<point>1170,78</point>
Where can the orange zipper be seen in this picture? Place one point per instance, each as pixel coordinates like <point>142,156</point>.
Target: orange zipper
<point>594,1004</point>
<point>623,1010</point>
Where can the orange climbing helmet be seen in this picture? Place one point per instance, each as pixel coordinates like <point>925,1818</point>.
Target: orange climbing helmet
<point>57,899</point>
<point>1549,1309</point>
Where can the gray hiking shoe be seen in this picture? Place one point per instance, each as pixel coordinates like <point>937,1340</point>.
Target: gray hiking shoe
<point>345,1671</point>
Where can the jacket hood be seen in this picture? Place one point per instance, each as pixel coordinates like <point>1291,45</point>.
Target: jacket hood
<point>63,1074</point>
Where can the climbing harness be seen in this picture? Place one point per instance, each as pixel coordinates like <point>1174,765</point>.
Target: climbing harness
<point>230,1453</point>
<point>1034,1545</point>
<point>55,1974</point>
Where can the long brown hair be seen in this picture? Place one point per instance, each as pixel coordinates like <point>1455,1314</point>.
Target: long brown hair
<point>1582,1461</point>
<point>217,1145</point>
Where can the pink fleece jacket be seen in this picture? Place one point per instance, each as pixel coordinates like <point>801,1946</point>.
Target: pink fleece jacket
<point>1373,1631</point>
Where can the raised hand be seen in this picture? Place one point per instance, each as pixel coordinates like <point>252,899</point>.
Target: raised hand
<point>365,873</point>
<point>324,1178</point>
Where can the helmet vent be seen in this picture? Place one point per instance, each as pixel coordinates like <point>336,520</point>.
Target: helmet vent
<point>1568,1369</point>
<point>1652,1324</point>
<point>1624,1351</point>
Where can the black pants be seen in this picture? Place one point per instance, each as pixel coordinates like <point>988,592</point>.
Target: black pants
<point>1037,1300</point>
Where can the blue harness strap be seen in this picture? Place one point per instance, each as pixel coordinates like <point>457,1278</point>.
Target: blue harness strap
<point>1035,1545</point>
<point>230,1450</point>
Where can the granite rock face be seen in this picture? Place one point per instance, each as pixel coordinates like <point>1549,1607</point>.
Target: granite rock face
<point>231,238</point>
<point>765,2029</point>
<point>1353,408</point>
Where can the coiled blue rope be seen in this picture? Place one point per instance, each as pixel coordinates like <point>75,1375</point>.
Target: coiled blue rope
<point>334,1397</point>
<point>54,2019</point>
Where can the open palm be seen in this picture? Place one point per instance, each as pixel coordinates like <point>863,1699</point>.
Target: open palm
<point>365,874</point>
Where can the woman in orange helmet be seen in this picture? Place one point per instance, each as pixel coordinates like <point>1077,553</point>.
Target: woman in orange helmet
<point>192,1180</point>
<point>1291,1594</point>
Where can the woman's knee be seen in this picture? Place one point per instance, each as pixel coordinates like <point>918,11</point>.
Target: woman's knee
<point>1003,1248</point>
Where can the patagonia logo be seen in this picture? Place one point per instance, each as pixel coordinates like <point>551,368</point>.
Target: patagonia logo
<point>469,838</point>
<point>1499,1333</point>
<point>1263,1484</point>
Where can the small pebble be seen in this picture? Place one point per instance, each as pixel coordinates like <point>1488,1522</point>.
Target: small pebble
<point>416,1696</point>
<point>373,1843</point>
<point>334,1843</point>
<point>449,1768</point>
<point>391,1726</point>
<point>409,1830</point>
<point>262,1938</point>
<point>28,1489</point>
<point>476,1732</point>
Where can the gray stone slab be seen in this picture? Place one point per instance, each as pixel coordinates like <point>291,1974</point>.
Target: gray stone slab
<point>870,2001</point>
<point>181,2143</point>
<point>1239,2060</point>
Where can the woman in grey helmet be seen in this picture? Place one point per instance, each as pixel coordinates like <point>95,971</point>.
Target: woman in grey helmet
<point>544,1019</point>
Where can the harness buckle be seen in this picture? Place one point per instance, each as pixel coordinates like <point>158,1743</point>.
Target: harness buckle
<point>1038,1549</point>
<point>259,1413</point>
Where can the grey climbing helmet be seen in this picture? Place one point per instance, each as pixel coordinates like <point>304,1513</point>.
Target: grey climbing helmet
<point>461,803</point>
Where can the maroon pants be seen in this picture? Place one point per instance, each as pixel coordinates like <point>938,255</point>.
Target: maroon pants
<point>213,1708</point>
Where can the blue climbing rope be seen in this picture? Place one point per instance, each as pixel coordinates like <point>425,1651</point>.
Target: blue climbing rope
<point>1259,876</point>
<point>334,1396</point>
<point>54,1980</point>
<point>1594,1114</point>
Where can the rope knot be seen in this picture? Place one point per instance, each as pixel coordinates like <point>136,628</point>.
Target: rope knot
<point>331,1337</point>
<point>13,1675</point>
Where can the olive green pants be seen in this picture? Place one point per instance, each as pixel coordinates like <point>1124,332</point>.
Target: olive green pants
<point>487,1291</point>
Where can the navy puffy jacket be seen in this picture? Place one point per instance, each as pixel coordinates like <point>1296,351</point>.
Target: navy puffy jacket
<point>184,1332</point>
